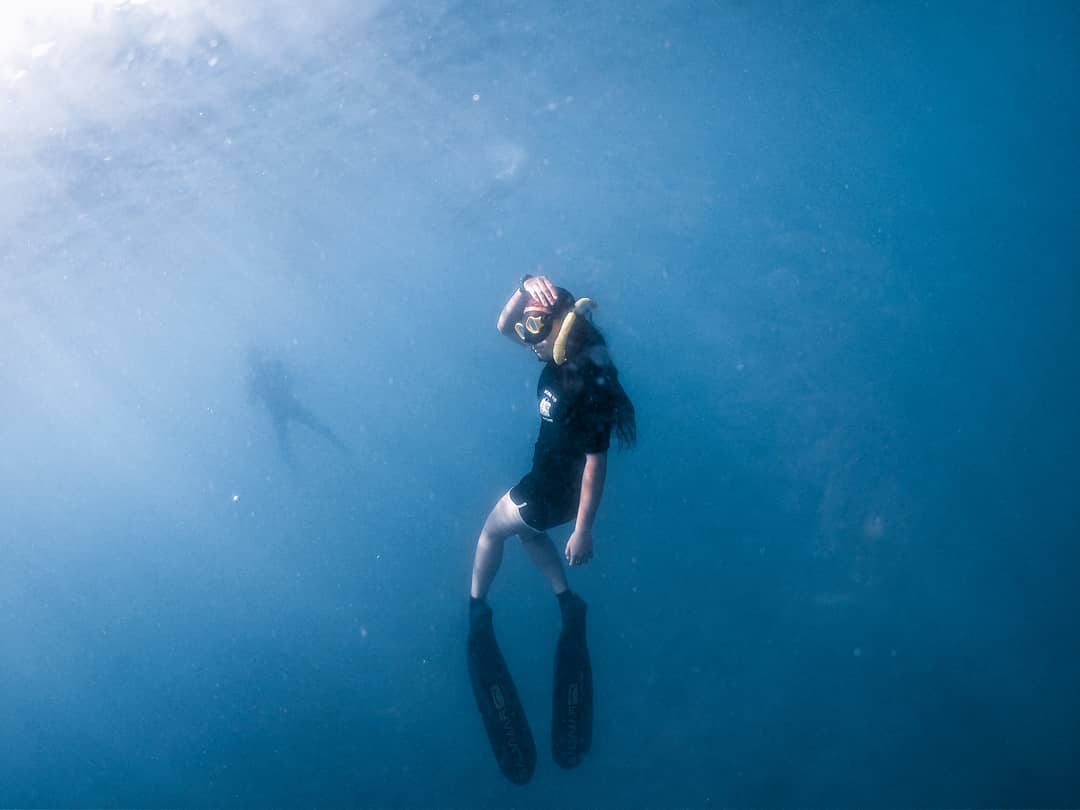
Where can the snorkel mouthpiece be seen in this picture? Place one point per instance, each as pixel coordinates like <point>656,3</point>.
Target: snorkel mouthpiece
<point>583,307</point>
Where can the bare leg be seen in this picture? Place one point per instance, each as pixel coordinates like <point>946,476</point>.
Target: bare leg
<point>504,522</point>
<point>545,556</point>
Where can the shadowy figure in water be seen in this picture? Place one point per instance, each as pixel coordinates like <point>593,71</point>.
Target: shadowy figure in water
<point>270,382</point>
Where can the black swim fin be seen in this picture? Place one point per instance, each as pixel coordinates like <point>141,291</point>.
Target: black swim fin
<point>572,698</point>
<point>497,699</point>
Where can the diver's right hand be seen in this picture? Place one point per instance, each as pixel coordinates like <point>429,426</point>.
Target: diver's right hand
<point>541,288</point>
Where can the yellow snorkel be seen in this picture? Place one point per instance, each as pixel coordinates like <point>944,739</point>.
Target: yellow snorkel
<point>582,307</point>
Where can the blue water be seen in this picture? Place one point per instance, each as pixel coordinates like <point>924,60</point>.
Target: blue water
<point>834,248</point>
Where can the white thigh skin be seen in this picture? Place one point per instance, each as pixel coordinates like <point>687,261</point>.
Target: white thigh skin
<point>504,522</point>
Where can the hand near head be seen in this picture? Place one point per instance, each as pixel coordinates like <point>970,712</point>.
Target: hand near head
<point>541,288</point>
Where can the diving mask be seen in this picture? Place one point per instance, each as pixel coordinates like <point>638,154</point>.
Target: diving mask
<point>534,327</point>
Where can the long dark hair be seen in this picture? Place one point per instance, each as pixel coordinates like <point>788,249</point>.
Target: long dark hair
<point>587,348</point>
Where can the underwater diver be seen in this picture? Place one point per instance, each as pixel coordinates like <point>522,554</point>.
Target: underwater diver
<point>580,402</point>
<point>269,381</point>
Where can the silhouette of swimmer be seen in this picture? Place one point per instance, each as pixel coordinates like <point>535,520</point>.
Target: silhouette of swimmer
<point>269,381</point>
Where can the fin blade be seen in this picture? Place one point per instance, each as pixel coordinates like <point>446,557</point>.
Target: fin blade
<point>500,708</point>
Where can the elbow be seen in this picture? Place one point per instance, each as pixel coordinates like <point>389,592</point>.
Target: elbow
<point>505,324</point>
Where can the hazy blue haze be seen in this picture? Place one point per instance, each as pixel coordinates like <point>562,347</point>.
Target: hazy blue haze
<point>834,247</point>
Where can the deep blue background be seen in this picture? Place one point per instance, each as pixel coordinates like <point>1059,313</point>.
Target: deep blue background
<point>834,249</point>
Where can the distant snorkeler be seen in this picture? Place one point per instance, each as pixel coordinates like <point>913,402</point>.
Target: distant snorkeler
<point>580,403</point>
<point>269,382</point>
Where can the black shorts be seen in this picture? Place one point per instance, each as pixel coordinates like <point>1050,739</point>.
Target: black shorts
<point>545,503</point>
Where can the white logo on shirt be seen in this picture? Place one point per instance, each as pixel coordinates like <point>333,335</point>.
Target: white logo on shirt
<point>547,405</point>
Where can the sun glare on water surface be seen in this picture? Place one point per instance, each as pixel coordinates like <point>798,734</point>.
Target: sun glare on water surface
<point>32,29</point>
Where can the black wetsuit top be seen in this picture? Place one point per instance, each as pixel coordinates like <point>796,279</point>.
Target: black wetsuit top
<point>576,414</point>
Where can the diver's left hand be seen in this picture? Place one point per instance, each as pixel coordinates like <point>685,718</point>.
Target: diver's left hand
<point>579,548</point>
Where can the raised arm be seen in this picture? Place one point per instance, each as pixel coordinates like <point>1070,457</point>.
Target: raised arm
<point>539,287</point>
<point>512,312</point>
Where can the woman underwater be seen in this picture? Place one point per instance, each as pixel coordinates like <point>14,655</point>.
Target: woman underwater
<point>580,402</point>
